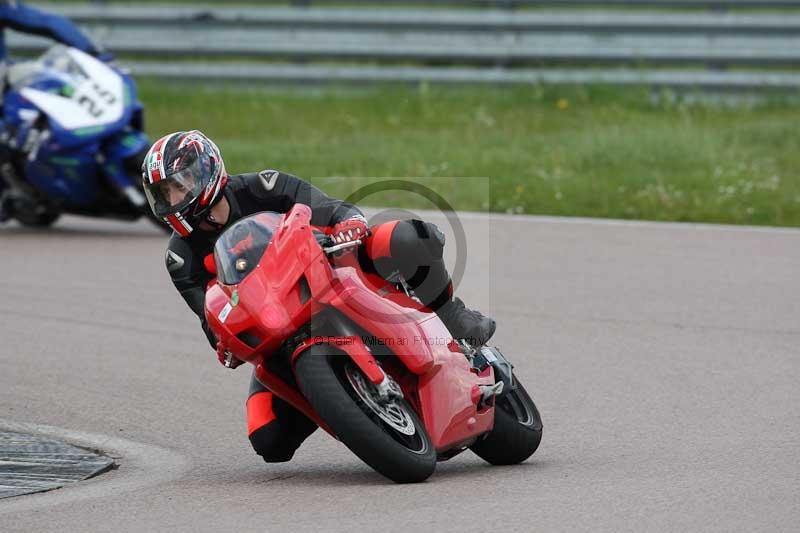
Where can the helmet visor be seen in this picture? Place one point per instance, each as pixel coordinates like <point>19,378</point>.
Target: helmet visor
<point>177,191</point>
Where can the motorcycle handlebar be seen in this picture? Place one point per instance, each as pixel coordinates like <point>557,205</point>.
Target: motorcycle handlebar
<point>329,246</point>
<point>340,247</point>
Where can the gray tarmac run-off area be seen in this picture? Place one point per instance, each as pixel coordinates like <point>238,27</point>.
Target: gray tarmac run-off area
<point>663,358</point>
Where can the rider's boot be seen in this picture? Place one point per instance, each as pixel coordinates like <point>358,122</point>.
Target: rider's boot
<point>466,324</point>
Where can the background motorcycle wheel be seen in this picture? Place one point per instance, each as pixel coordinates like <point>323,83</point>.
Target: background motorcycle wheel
<point>389,438</point>
<point>517,430</point>
<point>33,219</point>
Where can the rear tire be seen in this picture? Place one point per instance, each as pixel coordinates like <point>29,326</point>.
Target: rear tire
<point>517,430</point>
<point>337,390</point>
<point>36,220</point>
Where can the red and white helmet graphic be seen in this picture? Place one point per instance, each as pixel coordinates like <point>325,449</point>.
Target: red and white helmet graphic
<point>183,176</point>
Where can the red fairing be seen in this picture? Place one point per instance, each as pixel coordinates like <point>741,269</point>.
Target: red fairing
<point>399,326</point>
<point>269,299</point>
<point>294,281</point>
<point>448,405</point>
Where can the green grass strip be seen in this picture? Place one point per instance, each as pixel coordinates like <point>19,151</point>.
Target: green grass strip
<point>596,151</point>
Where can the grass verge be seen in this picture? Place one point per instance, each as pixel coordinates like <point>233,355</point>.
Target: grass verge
<point>580,151</point>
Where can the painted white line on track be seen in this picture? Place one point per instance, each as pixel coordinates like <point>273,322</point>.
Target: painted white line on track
<point>139,466</point>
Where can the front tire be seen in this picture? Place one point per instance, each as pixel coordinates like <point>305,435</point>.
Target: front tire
<point>388,437</point>
<point>517,430</point>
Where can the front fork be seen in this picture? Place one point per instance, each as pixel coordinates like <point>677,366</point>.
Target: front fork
<point>353,345</point>
<point>387,388</point>
<point>118,158</point>
<point>120,178</point>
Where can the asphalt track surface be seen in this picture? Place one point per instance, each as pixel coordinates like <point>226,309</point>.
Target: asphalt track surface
<point>663,357</point>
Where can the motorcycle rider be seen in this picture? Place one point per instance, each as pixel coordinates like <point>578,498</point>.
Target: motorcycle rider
<point>187,186</point>
<point>27,19</point>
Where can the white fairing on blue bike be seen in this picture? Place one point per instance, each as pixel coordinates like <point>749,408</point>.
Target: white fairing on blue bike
<point>97,97</point>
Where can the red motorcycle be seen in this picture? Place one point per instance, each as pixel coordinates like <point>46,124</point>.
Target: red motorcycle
<point>358,354</point>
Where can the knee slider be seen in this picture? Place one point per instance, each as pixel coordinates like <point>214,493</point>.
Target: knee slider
<point>415,238</point>
<point>268,444</point>
<point>430,236</point>
<point>435,240</point>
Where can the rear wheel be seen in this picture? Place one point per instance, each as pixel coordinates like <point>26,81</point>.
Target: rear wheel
<point>29,209</point>
<point>387,435</point>
<point>36,219</point>
<point>517,430</point>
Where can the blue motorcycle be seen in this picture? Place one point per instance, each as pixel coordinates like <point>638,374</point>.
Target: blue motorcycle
<point>72,140</point>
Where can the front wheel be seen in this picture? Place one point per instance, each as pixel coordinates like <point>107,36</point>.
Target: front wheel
<point>517,429</point>
<point>388,436</point>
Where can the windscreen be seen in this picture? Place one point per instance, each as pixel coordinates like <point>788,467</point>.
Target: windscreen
<point>240,247</point>
<point>56,62</point>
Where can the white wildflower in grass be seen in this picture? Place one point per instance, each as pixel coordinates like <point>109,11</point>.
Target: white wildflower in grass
<point>774,182</point>
<point>746,186</point>
<point>483,117</point>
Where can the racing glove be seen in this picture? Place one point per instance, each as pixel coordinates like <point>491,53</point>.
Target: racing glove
<point>350,230</point>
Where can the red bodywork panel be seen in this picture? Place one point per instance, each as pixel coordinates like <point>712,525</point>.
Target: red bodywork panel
<point>269,309</point>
